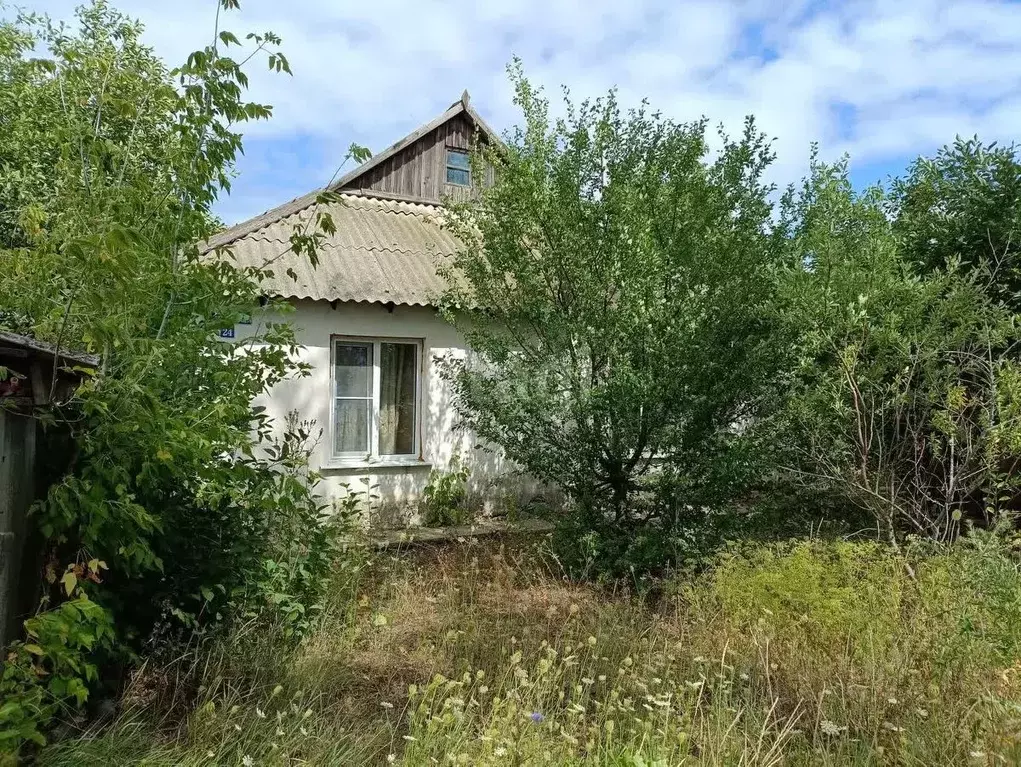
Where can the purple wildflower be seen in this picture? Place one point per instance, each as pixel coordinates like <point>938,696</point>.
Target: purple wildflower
<point>537,717</point>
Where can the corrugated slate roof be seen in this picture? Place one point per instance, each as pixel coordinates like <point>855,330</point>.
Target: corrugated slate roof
<point>384,250</point>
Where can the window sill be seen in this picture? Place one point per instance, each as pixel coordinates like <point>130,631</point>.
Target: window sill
<point>337,464</point>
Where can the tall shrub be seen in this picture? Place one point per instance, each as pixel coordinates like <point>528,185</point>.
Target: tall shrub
<point>962,206</point>
<point>897,403</point>
<point>615,286</point>
<point>166,512</point>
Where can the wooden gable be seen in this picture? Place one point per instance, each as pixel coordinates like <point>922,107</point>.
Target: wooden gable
<point>416,166</point>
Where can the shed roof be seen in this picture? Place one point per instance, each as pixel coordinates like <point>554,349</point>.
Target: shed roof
<point>386,248</point>
<point>38,373</point>
<point>15,343</point>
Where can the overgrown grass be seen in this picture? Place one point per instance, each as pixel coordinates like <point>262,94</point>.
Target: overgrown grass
<point>802,653</point>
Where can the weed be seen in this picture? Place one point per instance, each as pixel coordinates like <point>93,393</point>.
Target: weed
<point>799,653</point>
<point>445,495</point>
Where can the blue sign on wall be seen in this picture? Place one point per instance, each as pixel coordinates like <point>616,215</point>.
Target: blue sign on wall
<point>227,333</point>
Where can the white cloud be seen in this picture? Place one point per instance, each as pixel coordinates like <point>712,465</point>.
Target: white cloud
<point>883,81</point>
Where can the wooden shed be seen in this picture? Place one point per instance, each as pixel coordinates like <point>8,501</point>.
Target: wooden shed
<point>34,376</point>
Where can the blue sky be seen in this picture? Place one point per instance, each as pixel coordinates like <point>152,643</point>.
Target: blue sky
<point>881,81</point>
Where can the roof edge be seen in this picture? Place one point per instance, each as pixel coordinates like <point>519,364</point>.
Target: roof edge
<point>237,231</point>
<point>425,304</point>
<point>46,349</point>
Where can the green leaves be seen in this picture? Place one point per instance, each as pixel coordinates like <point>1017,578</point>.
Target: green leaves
<point>278,62</point>
<point>70,582</point>
<point>894,405</point>
<point>623,280</point>
<point>358,153</point>
<point>161,503</point>
<point>51,669</point>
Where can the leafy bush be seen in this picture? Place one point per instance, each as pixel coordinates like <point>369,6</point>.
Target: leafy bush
<point>897,403</point>
<point>445,495</point>
<point>51,668</point>
<point>615,286</point>
<point>961,208</point>
<point>822,591</point>
<point>109,169</point>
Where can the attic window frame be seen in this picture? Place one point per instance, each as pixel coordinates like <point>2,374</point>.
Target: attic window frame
<point>451,150</point>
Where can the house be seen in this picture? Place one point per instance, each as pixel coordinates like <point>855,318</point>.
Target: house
<point>35,375</point>
<point>367,317</point>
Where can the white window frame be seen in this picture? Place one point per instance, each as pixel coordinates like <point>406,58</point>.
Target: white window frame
<point>373,455</point>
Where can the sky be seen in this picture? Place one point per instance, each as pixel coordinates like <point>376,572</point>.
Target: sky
<point>880,81</point>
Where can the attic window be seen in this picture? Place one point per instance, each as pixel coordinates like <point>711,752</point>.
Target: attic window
<point>458,167</point>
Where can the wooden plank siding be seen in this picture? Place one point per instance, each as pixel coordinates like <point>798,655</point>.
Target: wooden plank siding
<point>420,169</point>
<point>17,491</point>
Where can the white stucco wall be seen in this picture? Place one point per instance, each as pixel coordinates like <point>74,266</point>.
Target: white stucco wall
<point>396,489</point>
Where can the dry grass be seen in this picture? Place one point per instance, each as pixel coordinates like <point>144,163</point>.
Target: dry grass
<point>484,654</point>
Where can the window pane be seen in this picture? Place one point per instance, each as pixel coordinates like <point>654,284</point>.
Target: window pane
<point>455,176</point>
<point>351,425</point>
<point>398,372</point>
<point>353,370</point>
<point>458,159</point>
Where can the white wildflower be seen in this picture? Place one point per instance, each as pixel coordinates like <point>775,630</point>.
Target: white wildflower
<point>247,761</point>
<point>830,728</point>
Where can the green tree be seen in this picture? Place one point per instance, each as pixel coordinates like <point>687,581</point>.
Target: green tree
<point>897,402</point>
<point>615,286</point>
<point>167,512</point>
<point>962,207</point>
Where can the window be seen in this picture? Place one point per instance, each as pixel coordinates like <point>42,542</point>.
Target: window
<point>375,398</point>
<point>458,167</point>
